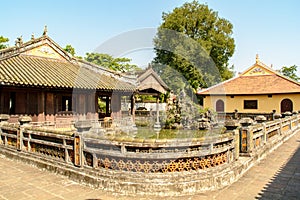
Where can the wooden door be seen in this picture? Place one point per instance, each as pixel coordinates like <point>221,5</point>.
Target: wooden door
<point>286,105</point>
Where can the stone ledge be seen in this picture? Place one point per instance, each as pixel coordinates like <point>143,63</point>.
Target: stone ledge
<point>152,184</point>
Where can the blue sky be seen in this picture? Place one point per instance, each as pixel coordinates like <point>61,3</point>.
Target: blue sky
<point>266,27</point>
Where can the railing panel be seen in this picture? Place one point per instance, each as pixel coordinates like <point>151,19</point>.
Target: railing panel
<point>154,157</point>
<point>140,155</point>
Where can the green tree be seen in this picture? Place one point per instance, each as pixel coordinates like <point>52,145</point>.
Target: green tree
<point>197,43</point>
<point>70,49</point>
<point>290,72</point>
<point>3,40</point>
<point>107,61</point>
<point>174,80</point>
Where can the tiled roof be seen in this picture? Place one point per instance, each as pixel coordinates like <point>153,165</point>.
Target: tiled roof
<point>258,79</point>
<point>38,71</point>
<point>149,79</point>
<point>41,62</point>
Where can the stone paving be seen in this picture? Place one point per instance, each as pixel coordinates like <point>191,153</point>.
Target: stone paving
<point>275,177</point>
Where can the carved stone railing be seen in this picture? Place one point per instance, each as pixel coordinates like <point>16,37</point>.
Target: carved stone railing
<point>142,155</point>
<point>58,145</point>
<point>157,155</point>
<point>119,153</point>
<point>147,166</point>
<point>255,136</point>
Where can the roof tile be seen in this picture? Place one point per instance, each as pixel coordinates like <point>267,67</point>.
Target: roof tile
<point>30,70</point>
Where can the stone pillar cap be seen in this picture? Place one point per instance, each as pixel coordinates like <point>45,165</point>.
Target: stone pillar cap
<point>260,118</point>
<point>231,124</point>
<point>83,125</point>
<point>4,117</point>
<point>24,119</point>
<point>247,121</point>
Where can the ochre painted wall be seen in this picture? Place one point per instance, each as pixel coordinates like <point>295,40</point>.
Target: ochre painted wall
<point>265,104</point>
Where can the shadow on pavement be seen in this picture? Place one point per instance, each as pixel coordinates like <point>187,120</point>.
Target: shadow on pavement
<point>286,183</point>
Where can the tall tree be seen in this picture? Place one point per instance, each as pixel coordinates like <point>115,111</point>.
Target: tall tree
<point>3,40</point>
<point>70,49</point>
<point>197,43</point>
<point>107,61</point>
<point>290,72</point>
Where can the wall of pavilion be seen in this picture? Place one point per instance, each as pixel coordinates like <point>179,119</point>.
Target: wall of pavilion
<point>260,89</point>
<point>38,78</point>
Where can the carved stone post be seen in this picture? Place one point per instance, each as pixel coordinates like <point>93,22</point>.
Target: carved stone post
<point>24,122</point>
<point>78,160</point>
<point>265,133</point>
<point>246,135</point>
<point>3,121</point>
<point>82,127</point>
<point>236,153</point>
<point>232,126</point>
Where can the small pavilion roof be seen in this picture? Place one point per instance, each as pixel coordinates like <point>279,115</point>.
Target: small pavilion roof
<point>150,82</point>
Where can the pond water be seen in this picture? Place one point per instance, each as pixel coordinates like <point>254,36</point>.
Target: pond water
<point>149,133</point>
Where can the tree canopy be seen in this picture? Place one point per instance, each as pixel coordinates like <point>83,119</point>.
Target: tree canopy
<point>107,61</point>
<point>197,43</point>
<point>70,49</point>
<point>290,72</point>
<point>3,40</point>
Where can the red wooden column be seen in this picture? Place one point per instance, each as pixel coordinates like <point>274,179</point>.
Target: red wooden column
<point>41,106</point>
<point>116,106</point>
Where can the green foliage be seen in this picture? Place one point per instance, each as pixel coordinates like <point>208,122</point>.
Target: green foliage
<point>290,72</point>
<point>3,40</point>
<point>196,43</point>
<point>174,80</point>
<point>101,105</point>
<point>203,110</point>
<point>70,49</point>
<point>107,61</point>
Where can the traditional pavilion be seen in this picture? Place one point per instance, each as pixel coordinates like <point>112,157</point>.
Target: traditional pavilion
<point>259,89</point>
<point>40,79</point>
<point>150,83</point>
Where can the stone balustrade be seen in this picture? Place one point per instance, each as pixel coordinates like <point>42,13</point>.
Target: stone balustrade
<point>147,166</point>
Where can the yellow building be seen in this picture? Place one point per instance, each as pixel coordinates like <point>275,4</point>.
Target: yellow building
<point>259,89</point>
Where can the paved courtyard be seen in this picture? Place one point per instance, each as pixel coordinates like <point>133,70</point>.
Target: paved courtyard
<point>275,177</point>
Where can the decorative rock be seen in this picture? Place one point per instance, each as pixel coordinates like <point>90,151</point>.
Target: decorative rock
<point>202,119</point>
<point>260,119</point>
<point>203,123</point>
<point>231,124</point>
<point>247,121</point>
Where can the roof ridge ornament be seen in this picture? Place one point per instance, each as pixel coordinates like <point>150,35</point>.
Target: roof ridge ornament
<point>45,30</point>
<point>19,41</point>
<point>257,59</point>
